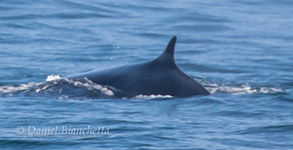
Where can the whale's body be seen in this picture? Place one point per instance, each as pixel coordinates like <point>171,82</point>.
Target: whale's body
<point>160,76</point>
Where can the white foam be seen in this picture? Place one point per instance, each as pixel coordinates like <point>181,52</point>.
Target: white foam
<point>22,87</point>
<point>268,90</point>
<point>86,84</point>
<point>91,86</point>
<point>52,77</point>
<point>152,96</point>
<point>53,80</point>
<point>232,89</point>
<point>241,89</point>
<point>43,88</point>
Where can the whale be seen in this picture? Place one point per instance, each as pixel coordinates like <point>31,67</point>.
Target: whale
<point>160,76</point>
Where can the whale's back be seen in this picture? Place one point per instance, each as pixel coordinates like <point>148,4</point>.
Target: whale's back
<point>160,77</point>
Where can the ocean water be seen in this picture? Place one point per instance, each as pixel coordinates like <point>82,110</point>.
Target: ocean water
<point>241,51</point>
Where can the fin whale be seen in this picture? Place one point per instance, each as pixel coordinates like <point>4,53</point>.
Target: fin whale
<point>160,76</point>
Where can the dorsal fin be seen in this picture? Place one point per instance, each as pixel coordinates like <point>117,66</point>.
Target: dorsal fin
<point>168,55</point>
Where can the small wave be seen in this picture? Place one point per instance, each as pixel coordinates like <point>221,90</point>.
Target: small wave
<point>285,128</point>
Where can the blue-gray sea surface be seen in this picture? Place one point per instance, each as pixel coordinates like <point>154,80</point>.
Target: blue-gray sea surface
<point>241,51</point>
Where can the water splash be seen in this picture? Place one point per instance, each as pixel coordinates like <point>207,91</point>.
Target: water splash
<point>53,77</point>
<point>59,87</point>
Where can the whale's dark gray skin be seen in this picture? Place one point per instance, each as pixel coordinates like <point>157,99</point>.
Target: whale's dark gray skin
<point>160,76</point>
